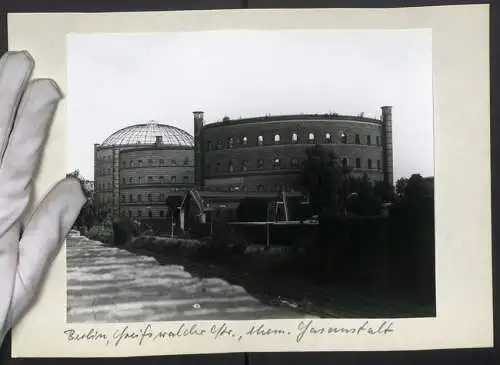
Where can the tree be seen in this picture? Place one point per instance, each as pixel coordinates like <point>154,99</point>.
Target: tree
<point>417,188</point>
<point>364,197</point>
<point>401,185</point>
<point>384,191</point>
<point>321,177</point>
<point>88,214</point>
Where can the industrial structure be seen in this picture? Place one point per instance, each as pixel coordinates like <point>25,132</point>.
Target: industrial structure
<point>139,167</point>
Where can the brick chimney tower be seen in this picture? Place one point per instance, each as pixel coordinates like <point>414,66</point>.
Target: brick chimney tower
<point>387,164</point>
<point>198,156</point>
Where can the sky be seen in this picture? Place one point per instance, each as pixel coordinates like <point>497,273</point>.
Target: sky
<point>116,80</point>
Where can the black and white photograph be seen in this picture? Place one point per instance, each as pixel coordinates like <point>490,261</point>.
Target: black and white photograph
<point>243,175</point>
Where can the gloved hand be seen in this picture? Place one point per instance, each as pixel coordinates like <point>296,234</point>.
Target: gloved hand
<point>26,250</point>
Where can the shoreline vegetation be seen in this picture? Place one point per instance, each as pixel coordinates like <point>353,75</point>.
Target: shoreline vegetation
<point>370,253</point>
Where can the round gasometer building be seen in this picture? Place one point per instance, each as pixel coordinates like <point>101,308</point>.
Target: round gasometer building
<point>264,154</point>
<point>136,167</point>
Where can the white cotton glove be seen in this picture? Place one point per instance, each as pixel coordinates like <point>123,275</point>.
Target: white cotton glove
<point>26,250</point>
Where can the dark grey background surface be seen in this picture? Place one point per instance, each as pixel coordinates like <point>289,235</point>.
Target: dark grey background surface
<point>468,356</point>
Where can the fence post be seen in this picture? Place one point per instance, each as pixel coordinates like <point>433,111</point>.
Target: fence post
<point>268,243</point>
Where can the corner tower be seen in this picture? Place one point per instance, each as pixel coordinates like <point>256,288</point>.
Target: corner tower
<point>198,157</point>
<point>387,164</point>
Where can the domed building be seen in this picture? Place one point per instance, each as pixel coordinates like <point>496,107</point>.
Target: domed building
<point>138,167</point>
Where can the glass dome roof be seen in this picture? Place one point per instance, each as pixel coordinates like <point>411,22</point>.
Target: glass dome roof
<point>148,133</point>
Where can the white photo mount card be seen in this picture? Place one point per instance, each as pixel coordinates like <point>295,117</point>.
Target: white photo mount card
<point>266,180</point>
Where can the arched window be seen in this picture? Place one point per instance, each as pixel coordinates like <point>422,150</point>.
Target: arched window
<point>131,163</point>
<point>276,163</point>
<point>162,179</point>
<point>245,140</point>
<point>368,140</point>
<point>173,180</point>
<point>260,140</point>
<point>276,138</point>
<point>294,138</point>
<point>260,164</point>
<point>150,179</point>
<point>311,137</point>
<point>139,163</point>
<point>357,141</point>
<point>244,165</point>
<point>344,163</point>
<point>369,163</point>
<point>139,179</point>
<point>343,137</point>
<point>358,163</point>
<point>328,138</point>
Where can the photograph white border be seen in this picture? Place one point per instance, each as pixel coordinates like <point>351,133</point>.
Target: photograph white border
<point>462,181</point>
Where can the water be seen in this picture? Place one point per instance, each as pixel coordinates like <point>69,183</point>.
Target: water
<point>107,284</point>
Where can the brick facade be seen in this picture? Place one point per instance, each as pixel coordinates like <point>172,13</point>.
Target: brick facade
<point>264,154</point>
<point>248,155</point>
